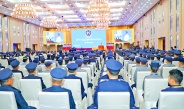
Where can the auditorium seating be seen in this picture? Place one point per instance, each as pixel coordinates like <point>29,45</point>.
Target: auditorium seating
<point>16,80</point>
<point>54,100</point>
<point>7,100</point>
<point>171,100</point>
<point>30,89</point>
<point>113,100</point>
<point>166,70</point>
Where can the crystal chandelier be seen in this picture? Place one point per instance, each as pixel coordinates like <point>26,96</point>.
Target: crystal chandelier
<point>24,11</point>
<point>98,7</point>
<point>62,27</point>
<point>49,22</point>
<point>101,22</point>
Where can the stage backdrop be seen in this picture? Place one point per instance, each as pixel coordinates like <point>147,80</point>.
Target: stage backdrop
<point>88,38</point>
<point>53,37</point>
<point>125,35</point>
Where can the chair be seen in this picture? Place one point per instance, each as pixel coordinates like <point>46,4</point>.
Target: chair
<point>4,62</point>
<point>129,69</point>
<point>60,100</point>
<point>165,72</point>
<point>171,100</point>
<point>113,100</point>
<point>175,63</point>
<point>30,89</point>
<point>7,100</point>
<point>46,79</point>
<point>24,70</point>
<point>16,80</point>
<point>138,91</point>
<point>75,86</point>
<point>152,90</point>
<point>88,70</point>
<point>132,75</point>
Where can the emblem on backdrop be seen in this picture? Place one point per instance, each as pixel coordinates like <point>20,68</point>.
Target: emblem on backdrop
<point>88,33</point>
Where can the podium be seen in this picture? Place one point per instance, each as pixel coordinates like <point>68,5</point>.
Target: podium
<point>100,47</point>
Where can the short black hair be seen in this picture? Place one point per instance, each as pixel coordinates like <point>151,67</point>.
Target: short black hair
<point>31,71</point>
<point>144,63</point>
<point>24,60</point>
<point>71,71</point>
<point>158,58</point>
<point>66,62</point>
<point>114,73</point>
<point>154,69</point>
<point>152,58</point>
<point>60,62</point>
<point>177,75</point>
<point>42,60</point>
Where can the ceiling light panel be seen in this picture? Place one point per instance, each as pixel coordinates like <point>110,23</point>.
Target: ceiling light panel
<point>58,6</point>
<point>18,1</point>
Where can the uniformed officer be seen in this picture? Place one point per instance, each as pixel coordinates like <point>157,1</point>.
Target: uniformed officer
<point>72,67</point>
<point>25,61</point>
<point>168,64</point>
<point>177,54</point>
<point>175,78</point>
<point>137,61</point>
<point>181,64</point>
<point>114,85</point>
<point>15,66</point>
<point>154,67</point>
<point>60,63</point>
<point>48,65</point>
<point>31,68</point>
<point>143,67</point>
<point>58,74</point>
<point>6,81</point>
<point>131,58</point>
<point>79,63</point>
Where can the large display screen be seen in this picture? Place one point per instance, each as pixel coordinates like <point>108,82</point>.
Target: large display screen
<point>124,35</point>
<point>54,37</point>
<point>88,38</point>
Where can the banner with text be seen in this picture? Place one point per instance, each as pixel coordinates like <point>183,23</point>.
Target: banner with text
<point>88,38</point>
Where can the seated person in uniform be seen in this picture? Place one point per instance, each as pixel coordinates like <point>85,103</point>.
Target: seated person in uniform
<point>31,68</point>
<point>131,58</point>
<point>137,62</point>
<point>72,67</point>
<point>41,65</point>
<point>48,65</point>
<point>143,67</point>
<point>15,66</point>
<point>177,54</point>
<point>79,63</point>
<point>154,67</point>
<point>168,63</point>
<point>66,60</point>
<point>60,62</point>
<point>175,78</point>
<point>25,61</point>
<point>181,64</point>
<point>6,81</point>
<point>58,74</point>
<point>113,84</point>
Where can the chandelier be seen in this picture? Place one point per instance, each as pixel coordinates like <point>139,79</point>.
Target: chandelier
<point>24,11</point>
<point>98,7</point>
<point>101,22</point>
<point>62,27</point>
<point>49,22</point>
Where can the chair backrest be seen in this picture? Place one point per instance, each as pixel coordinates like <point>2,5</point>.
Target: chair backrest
<point>75,86</point>
<point>54,100</point>
<point>130,67</point>
<point>23,69</point>
<point>7,100</point>
<point>104,73</point>
<point>4,62</point>
<point>88,70</point>
<point>16,80</point>
<point>140,78</point>
<point>92,69</point>
<point>46,79</point>
<point>175,63</point>
<point>132,74</point>
<point>152,89</point>
<point>171,100</point>
<point>125,64</point>
<point>83,75</point>
<point>165,72</point>
<point>30,88</point>
<point>113,100</point>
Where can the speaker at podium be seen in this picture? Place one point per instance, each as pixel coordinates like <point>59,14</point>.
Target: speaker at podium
<point>100,47</point>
